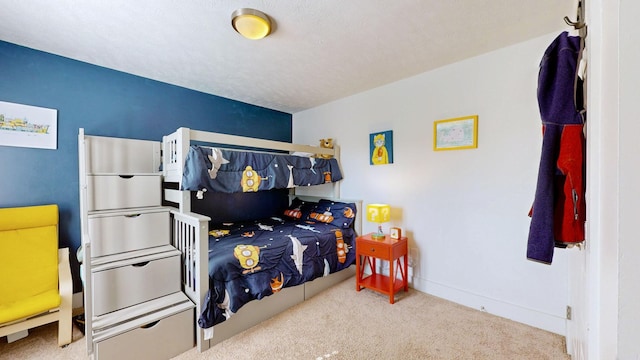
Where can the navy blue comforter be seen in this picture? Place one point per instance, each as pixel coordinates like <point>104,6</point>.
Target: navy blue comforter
<point>255,259</point>
<point>230,171</point>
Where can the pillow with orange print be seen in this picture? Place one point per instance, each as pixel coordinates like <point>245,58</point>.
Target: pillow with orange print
<point>300,209</point>
<point>337,213</point>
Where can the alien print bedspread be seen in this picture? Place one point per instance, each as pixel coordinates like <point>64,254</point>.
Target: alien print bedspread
<point>255,259</point>
<point>231,171</point>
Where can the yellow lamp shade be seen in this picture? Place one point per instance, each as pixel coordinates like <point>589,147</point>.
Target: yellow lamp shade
<point>378,213</point>
<point>250,23</point>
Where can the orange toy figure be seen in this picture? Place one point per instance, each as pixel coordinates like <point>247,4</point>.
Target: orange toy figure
<point>327,176</point>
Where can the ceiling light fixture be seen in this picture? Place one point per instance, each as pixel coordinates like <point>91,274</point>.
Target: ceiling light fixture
<point>251,23</point>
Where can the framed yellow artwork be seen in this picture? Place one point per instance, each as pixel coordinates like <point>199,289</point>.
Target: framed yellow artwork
<point>381,148</point>
<point>455,134</point>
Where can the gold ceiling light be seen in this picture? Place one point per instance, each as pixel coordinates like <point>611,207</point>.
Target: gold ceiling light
<point>251,23</point>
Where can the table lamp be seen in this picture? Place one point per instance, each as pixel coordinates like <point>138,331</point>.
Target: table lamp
<point>378,213</point>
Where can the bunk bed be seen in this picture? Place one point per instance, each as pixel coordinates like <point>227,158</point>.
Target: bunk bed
<point>192,172</point>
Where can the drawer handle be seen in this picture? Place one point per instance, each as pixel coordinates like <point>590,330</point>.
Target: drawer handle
<point>140,264</point>
<point>126,176</point>
<point>373,250</point>
<point>132,215</point>
<point>150,325</point>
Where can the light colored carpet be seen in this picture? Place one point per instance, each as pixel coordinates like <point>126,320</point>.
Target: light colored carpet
<point>341,323</point>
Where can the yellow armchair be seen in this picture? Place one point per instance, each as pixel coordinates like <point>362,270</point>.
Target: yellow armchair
<point>36,286</point>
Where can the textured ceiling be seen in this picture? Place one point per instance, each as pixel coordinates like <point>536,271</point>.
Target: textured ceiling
<point>320,50</point>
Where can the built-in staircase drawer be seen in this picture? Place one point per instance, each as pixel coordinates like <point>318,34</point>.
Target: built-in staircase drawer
<point>159,338</point>
<point>124,283</point>
<point>110,155</point>
<point>118,232</point>
<point>106,192</point>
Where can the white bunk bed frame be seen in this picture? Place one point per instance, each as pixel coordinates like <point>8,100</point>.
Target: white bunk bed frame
<point>190,235</point>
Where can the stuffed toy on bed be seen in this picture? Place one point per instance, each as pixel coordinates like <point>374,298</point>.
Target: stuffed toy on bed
<point>326,143</point>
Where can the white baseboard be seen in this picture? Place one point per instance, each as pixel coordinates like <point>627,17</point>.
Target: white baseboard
<point>537,319</point>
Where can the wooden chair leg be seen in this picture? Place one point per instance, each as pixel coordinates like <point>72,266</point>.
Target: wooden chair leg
<point>65,324</point>
<point>65,328</point>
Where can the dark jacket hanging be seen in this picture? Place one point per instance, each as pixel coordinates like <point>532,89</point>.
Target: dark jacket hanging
<point>559,211</point>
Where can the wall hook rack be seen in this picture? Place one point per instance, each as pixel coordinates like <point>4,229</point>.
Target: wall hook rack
<point>579,24</point>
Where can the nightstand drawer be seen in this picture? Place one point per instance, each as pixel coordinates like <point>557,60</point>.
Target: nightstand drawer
<point>134,281</point>
<point>113,233</point>
<point>107,192</point>
<point>369,248</point>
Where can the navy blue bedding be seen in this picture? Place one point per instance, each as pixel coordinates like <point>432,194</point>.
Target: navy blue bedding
<point>251,260</point>
<point>232,171</point>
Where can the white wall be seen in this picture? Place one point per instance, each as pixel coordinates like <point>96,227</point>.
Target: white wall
<point>598,338</point>
<point>629,178</point>
<point>613,276</point>
<point>464,211</point>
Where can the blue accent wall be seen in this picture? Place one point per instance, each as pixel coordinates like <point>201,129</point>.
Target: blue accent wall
<point>104,102</point>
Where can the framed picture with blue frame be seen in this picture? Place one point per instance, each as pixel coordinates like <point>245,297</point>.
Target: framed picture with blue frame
<point>381,148</point>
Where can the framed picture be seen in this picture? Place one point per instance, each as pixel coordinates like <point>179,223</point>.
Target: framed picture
<point>395,233</point>
<point>28,126</point>
<point>381,148</point>
<point>455,134</point>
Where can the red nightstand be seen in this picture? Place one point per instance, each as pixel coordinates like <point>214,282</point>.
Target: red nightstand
<point>390,250</point>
